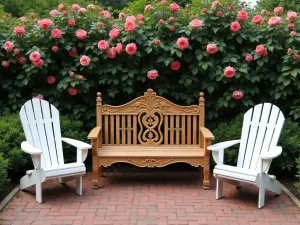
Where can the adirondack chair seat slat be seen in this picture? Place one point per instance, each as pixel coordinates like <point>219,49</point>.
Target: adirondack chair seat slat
<point>235,173</point>
<point>41,125</point>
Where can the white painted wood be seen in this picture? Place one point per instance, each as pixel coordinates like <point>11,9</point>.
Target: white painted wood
<point>222,145</point>
<point>41,130</point>
<point>219,191</point>
<point>57,134</point>
<point>252,135</point>
<point>79,185</point>
<point>244,137</point>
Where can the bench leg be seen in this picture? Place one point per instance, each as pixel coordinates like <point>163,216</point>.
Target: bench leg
<point>206,181</point>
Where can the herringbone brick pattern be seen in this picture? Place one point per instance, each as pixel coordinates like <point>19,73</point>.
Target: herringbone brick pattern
<point>148,200</point>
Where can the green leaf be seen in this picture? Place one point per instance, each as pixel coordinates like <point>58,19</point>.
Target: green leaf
<point>286,82</point>
<point>294,73</point>
<point>194,71</point>
<point>204,66</point>
<point>210,89</point>
<point>25,82</point>
<point>285,68</point>
<point>239,39</point>
<point>160,59</point>
<point>179,53</point>
<point>215,29</point>
<point>233,60</point>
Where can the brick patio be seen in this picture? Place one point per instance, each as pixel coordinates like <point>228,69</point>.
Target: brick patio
<point>148,199</point>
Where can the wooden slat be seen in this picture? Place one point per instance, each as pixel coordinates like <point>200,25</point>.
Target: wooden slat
<point>171,129</point>
<point>189,129</point>
<point>129,130</point>
<point>123,130</point>
<point>112,129</point>
<point>117,129</point>
<point>166,133</point>
<point>260,135</point>
<point>183,130</point>
<point>106,129</point>
<point>135,129</point>
<point>252,135</point>
<point>194,130</point>
<point>177,130</point>
<point>49,132</point>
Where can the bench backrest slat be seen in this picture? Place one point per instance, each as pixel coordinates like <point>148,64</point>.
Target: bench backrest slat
<point>150,120</point>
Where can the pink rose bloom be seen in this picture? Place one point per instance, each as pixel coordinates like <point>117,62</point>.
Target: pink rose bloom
<point>204,10</point>
<point>242,15</point>
<point>34,56</point>
<point>72,91</point>
<point>72,53</point>
<point>38,96</point>
<point>128,18</point>
<point>75,7</point>
<point>119,48</point>
<point>23,18</point>
<point>182,43</point>
<point>56,33</point>
<point>129,26</point>
<point>131,48</point>
<point>215,4</point>
<point>256,19</point>
<point>51,80</point>
<point>274,21</point>
<point>290,50</point>
<point>61,6</point>
<point>163,2</point>
<point>211,48</point>
<point>82,10</point>
<point>45,23</point>
<point>9,46</point>
<point>263,12</point>
<point>231,8</point>
<point>81,34</point>
<point>260,49</point>
<point>72,74</point>
<point>152,74</point>
<point>103,45</point>
<point>32,15</point>
<point>140,17</point>
<point>148,8</point>
<point>80,77</point>
<point>293,33</point>
<point>53,12</point>
<point>22,60</point>
<point>91,6</point>
<point>85,60</point>
<point>196,23</point>
<point>5,64</point>
<point>112,53</point>
<point>114,33</point>
<point>248,57</point>
<point>19,30</point>
<point>278,10</point>
<point>175,65</point>
<point>38,63</point>
<point>54,48</point>
<point>229,72</point>
<point>172,28</point>
<point>171,19</point>
<point>65,13</point>
<point>235,26</point>
<point>157,42</point>
<point>219,13</point>
<point>174,7</point>
<point>237,95</point>
<point>161,22</point>
<point>291,16</point>
<point>106,14</point>
<point>291,26</point>
<point>16,51</point>
<point>295,56</point>
<point>121,16</point>
<point>71,22</point>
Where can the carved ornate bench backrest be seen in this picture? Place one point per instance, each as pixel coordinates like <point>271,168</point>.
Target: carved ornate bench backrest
<point>150,120</point>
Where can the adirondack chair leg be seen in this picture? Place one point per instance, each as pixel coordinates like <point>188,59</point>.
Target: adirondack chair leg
<point>38,192</point>
<point>79,185</point>
<point>261,197</point>
<point>219,192</point>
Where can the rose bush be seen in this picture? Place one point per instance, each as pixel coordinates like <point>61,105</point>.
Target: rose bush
<point>77,51</point>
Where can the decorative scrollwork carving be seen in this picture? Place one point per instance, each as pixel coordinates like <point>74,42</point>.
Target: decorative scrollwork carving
<point>150,162</point>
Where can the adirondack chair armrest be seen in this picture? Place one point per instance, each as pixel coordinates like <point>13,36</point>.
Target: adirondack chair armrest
<point>28,148</point>
<point>271,154</point>
<point>94,133</point>
<point>207,134</point>
<point>78,144</point>
<point>223,145</point>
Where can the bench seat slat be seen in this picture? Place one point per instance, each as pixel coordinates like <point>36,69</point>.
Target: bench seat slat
<point>150,151</point>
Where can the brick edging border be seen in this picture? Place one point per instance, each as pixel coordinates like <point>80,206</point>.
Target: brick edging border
<point>290,194</point>
<point>4,202</point>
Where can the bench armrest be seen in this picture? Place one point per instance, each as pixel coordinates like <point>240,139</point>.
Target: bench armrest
<point>207,134</point>
<point>94,133</point>
<point>76,143</point>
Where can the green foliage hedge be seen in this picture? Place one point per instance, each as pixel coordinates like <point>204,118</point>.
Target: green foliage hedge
<point>289,140</point>
<point>3,173</point>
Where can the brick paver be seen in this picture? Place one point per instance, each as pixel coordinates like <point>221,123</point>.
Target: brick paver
<point>148,200</point>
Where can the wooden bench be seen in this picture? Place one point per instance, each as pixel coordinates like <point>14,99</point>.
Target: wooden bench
<point>150,131</point>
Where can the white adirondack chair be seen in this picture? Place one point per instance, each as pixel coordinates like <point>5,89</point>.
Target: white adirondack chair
<point>262,127</point>
<point>41,125</point>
